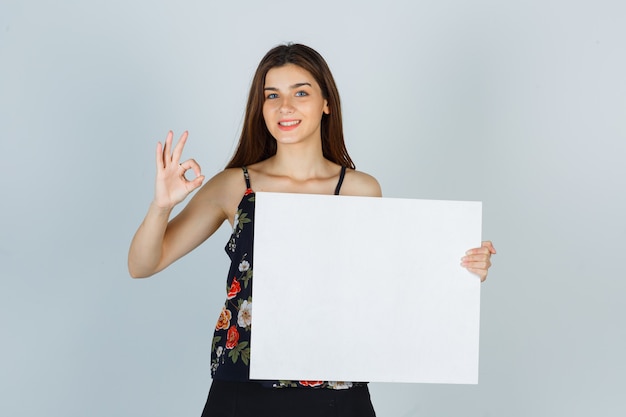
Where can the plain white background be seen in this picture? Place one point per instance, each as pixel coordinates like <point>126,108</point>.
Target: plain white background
<point>529,96</point>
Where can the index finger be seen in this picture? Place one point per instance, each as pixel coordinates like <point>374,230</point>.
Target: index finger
<point>191,164</point>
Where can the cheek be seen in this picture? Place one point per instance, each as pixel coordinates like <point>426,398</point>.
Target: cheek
<point>266,116</point>
<point>265,112</point>
<point>269,107</point>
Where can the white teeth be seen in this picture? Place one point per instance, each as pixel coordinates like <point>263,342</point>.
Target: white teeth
<point>292,123</point>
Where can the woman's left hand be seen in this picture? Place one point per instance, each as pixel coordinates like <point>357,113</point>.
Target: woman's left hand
<point>478,260</point>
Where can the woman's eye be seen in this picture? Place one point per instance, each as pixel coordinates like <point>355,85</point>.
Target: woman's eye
<point>301,94</point>
<point>272,95</point>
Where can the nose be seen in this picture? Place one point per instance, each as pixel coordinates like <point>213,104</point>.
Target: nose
<point>286,106</point>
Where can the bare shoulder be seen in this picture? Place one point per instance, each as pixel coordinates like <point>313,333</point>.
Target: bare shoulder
<point>359,183</point>
<point>226,180</point>
<point>224,191</point>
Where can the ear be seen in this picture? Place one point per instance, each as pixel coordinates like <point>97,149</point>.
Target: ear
<point>326,109</point>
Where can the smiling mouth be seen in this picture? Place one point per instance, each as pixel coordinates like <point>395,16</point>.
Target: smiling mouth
<point>289,123</point>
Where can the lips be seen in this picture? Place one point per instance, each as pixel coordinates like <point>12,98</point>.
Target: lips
<point>288,124</point>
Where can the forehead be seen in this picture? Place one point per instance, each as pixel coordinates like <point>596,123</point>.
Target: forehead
<point>288,75</point>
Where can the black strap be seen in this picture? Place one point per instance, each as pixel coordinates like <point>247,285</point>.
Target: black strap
<point>341,176</point>
<point>246,176</point>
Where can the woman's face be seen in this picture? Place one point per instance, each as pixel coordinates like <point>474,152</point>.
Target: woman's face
<point>293,105</point>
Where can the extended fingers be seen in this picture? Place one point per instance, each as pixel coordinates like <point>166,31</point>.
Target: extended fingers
<point>159,156</point>
<point>167,149</point>
<point>165,156</point>
<point>178,149</point>
<point>162,151</point>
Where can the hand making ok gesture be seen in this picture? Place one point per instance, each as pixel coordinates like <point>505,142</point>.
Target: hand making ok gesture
<point>171,185</point>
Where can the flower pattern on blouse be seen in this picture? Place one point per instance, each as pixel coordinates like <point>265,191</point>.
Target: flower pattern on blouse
<point>230,350</point>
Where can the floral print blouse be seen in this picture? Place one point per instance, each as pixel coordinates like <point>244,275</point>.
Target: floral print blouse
<point>230,350</point>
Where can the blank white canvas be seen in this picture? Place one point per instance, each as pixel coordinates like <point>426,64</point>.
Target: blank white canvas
<point>364,289</point>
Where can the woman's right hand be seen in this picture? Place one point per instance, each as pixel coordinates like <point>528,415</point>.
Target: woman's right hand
<point>171,185</point>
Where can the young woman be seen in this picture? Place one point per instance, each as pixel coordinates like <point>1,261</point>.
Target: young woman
<point>292,142</point>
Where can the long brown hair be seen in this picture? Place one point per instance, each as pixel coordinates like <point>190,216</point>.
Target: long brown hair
<point>256,143</point>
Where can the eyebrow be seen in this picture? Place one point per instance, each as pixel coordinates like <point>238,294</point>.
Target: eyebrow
<point>297,85</point>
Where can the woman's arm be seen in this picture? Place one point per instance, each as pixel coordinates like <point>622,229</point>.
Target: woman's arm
<point>158,243</point>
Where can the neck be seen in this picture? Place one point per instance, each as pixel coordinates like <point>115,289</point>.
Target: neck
<point>300,161</point>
